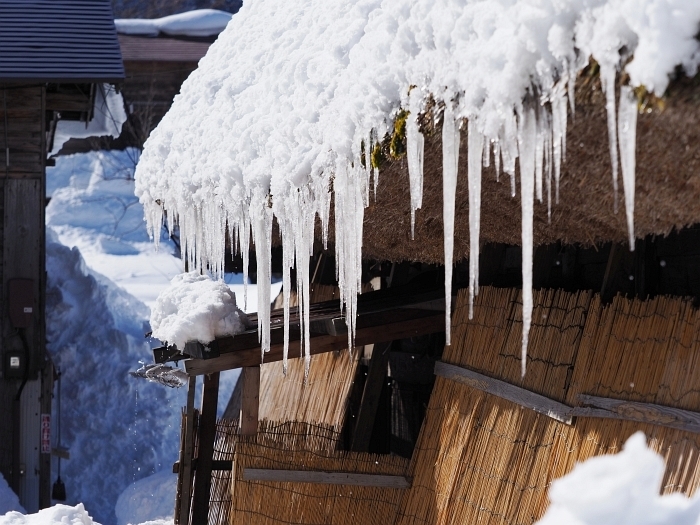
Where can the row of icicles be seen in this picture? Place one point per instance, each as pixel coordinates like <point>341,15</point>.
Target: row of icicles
<point>535,135</point>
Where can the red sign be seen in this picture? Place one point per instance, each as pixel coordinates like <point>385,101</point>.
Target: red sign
<point>46,433</point>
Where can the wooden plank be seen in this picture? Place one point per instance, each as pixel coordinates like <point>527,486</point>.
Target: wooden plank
<point>640,412</point>
<point>429,322</point>
<point>370,397</point>
<point>47,375</point>
<point>538,403</point>
<point>205,452</point>
<point>185,476</point>
<point>326,478</point>
<point>250,400</point>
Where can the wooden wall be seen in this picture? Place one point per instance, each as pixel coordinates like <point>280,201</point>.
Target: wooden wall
<point>22,198</point>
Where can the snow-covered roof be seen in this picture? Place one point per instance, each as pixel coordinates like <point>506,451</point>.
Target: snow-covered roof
<point>293,96</point>
<point>197,23</point>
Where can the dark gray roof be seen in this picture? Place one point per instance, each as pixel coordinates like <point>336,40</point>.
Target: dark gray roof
<point>59,40</point>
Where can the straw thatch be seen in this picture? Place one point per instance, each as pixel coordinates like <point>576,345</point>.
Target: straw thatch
<point>301,446</point>
<point>667,187</point>
<point>481,458</point>
<point>323,397</point>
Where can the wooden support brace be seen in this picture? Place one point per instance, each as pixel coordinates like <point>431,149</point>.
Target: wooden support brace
<point>370,397</point>
<point>326,478</point>
<point>205,452</point>
<point>250,400</point>
<point>640,412</point>
<point>538,403</point>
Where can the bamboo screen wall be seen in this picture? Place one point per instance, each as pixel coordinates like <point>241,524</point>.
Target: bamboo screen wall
<point>487,460</point>
<point>324,397</point>
<point>303,446</point>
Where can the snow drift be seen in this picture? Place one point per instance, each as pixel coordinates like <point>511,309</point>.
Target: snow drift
<point>620,489</point>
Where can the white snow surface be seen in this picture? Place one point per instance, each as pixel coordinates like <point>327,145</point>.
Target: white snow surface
<point>148,499</point>
<point>8,499</point>
<point>108,118</point>
<point>281,106</point>
<point>619,489</point>
<point>199,22</point>
<point>196,308</point>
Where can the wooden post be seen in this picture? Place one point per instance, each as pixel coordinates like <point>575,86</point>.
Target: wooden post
<point>182,516</point>
<point>250,400</point>
<point>205,453</point>
<point>370,397</point>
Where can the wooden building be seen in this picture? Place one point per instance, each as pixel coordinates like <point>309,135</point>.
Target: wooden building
<point>54,55</point>
<point>613,349</point>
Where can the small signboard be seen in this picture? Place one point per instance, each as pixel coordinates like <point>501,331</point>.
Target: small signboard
<point>46,433</point>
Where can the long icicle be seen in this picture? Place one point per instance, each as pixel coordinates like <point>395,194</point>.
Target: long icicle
<point>414,145</point>
<point>607,80</point>
<point>527,136</point>
<point>450,161</point>
<point>475,141</point>
<point>627,133</point>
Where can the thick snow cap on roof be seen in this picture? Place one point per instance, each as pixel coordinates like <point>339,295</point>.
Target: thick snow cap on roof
<point>293,94</point>
<point>200,22</point>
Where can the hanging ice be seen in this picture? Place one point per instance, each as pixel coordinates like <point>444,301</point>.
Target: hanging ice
<point>607,80</point>
<point>475,142</point>
<point>627,133</point>
<point>527,138</point>
<point>414,152</point>
<point>450,161</point>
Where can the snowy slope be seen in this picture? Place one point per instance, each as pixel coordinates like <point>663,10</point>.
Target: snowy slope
<point>118,429</point>
<point>8,499</point>
<point>199,22</point>
<point>103,274</point>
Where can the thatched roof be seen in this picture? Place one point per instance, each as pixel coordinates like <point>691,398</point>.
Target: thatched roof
<point>667,187</point>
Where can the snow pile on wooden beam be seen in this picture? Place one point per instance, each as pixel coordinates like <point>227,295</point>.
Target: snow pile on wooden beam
<point>292,98</point>
<point>196,308</point>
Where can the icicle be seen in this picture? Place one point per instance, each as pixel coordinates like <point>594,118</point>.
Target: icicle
<point>304,239</point>
<point>487,152</point>
<point>261,216</point>
<point>414,146</point>
<point>627,132</point>
<point>527,137</point>
<point>539,157</point>
<point>244,239</point>
<point>287,263</point>
<point>559,118</point>
<point>497,159</point>
<point>607,79</point>
<point>475,141</point>
<point>509,149</point>
<point>450,160</point>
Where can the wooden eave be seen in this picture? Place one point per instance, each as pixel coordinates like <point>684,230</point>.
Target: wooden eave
<point>382,316</point>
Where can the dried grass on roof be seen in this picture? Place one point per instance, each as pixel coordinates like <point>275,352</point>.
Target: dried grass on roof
<point>483,459</point>
<point>667,187</point>
<point>323,397</point>
<point>302,446</point>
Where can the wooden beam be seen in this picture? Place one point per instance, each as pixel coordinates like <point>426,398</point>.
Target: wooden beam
<point>538,403</point>
<point>205,450</point>
<point>640,412</point>
<point>370,397</point>
<point>326,478</point>
<point>184,482</point>
<point>419,322</point>
<point>250,400</point>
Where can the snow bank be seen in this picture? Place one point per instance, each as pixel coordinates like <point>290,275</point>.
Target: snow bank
<point>200,22</point>
<point>118,428</point>
<point>620,489</point>
<point>287,99</point>
<point>196,308</point>
<point>58,514</point>
<point>8,499</point>
<point>149,499</point>
<point>93,207</point>
<point>108,118</point>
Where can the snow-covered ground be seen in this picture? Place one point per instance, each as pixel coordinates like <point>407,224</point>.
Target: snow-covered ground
<point>104,274</point>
